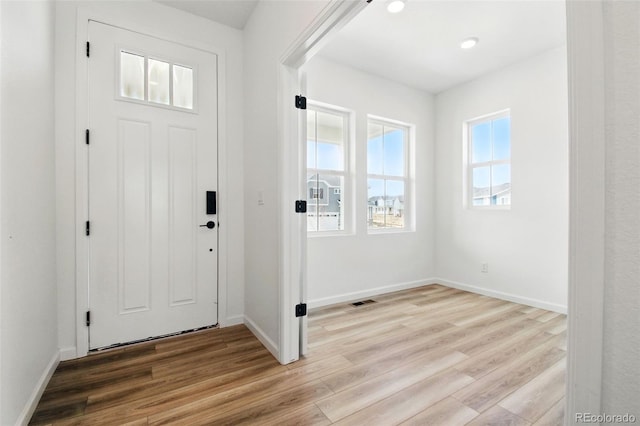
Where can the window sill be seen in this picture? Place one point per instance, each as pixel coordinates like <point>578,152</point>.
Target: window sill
<point>489,208</point>
<point>384,231</point>
<point>325,234</point>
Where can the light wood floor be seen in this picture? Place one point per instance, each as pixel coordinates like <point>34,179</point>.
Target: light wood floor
<point>427,356</point>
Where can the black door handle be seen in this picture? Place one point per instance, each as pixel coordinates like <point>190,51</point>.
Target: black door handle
<point>211,224</point>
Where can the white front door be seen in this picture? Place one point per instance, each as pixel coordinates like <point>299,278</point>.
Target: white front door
<point>152,160</point>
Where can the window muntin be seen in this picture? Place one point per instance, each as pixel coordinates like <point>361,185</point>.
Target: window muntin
<point>155,82</point>
<point>489,161</point>
<point>327,140</point>
<point>387,175</point>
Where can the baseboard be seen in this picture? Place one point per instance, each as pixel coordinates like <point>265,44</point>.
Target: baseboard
<point>356,295</point>
<point>68,353</point>
<point>562,309</point>
<point>234,320</point>
<point>261,335</point>
<point>32,403</point>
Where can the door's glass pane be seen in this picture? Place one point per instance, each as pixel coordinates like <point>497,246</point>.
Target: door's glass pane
<point>481,186</point>
<point>394,151</point>
<point>375,203</point>
<point>502,139</point>
<point>312,206</point>
<point>329,201</point>
<point>330,147</point>
<point>131,76</point>
<point>182,87</point>
<point>158,82</point>
<point>394,204</point>
<point>481,142</point>
<point>374,150</point>
<point>501,185</point>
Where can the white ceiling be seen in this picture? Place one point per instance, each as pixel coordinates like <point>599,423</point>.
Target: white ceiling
<point>420,46</point>
<point>233,13</point>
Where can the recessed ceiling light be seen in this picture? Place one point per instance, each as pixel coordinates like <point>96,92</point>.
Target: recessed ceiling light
<point>395,6</point>
<point>469,43</point>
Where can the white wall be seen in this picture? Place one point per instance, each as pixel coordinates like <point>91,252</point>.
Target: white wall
<point>526,247</point>
<point>347,267</point>
<point>621,369</point>
<point>29,350</point>
<point>172,24</point>
<point>272,28</point>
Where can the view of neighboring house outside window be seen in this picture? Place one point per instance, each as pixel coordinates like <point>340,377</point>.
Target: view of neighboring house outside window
<point>387,174</point>
<point>488,148</point>
<point>327,140</point>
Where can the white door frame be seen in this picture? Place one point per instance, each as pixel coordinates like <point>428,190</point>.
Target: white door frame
<point>293,231</point>
<point>586,239</point>
<point>86,14</point>
<point>586,61</point>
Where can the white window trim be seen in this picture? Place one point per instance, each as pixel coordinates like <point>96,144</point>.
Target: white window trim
<point>346,173</point>
<point>408,178</point>
<point>468,165</point>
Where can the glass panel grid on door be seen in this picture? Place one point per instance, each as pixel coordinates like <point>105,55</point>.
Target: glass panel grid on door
<point>154,81</point>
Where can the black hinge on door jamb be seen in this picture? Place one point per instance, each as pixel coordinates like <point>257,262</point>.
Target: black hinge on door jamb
<point>88,49</point>
<point>88,318</point>
<point>86,136</point>
<point>88,228</point>
<point>301,310</point>
<point>301,102</point>
<point>301,206</point>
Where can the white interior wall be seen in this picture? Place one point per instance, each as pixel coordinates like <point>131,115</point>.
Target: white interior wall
<point>360,264</point>
<point>174,25</point>
<point>621,369</point>
<point>28,287</point>
<point>525,247</point>
<point>271,30</point>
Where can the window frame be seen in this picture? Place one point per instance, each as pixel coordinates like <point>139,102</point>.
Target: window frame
<point>346,174</point>
<point>407,178</point>
<point>469,165</point>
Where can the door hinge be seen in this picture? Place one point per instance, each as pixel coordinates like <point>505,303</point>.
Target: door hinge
<point>88,228</point>
<point>88,49</point>
<point>301,102</point>
<point>86,136</point>
<point>301,206</point>
<point>88,318</point>
<point>301,310</point>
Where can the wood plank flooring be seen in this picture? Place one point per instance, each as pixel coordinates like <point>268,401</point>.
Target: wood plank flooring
<point>426,356</point>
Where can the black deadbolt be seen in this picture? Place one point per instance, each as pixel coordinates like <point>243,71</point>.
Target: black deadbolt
<point>211,224</point>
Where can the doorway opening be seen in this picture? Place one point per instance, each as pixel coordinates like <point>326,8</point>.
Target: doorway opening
<point>300,246</point>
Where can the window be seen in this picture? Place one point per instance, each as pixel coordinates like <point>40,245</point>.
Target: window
<point>327,139</point>
<point>387,174</point>
<point>489,160</point>
<point>166,83</point>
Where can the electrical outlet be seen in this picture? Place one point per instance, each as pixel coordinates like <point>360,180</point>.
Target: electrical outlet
<point>485,268</point>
